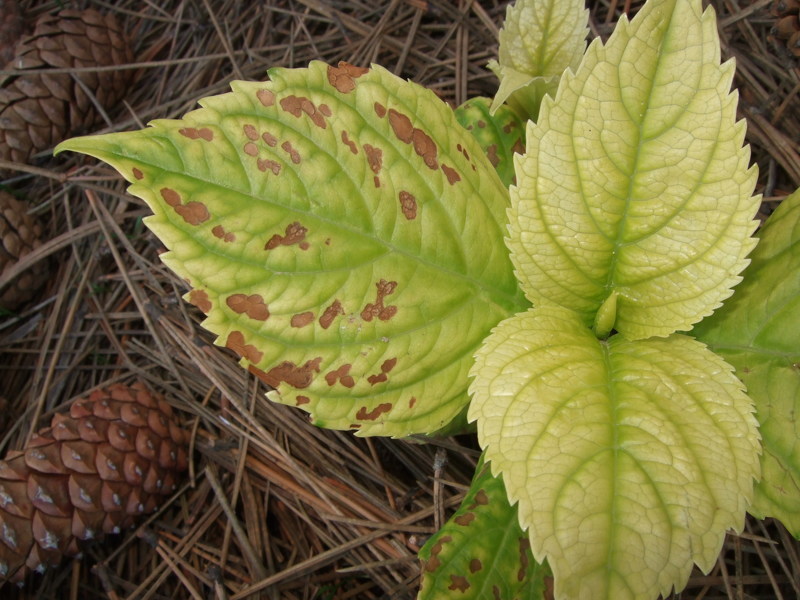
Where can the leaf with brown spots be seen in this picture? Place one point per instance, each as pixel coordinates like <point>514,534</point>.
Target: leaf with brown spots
<point>333,216</point>
<point>501,136</point>
<point>482,552</point>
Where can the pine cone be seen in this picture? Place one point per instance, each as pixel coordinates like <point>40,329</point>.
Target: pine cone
<point>19,234</point>
<point>786,30</point>
<point>39,110</point>
<point>11,28</point>
<point>112,458</point>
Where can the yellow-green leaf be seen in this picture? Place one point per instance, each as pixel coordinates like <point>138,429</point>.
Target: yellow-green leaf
<point>482,552</point>
<point>635,181</point>
<point>341,231</point>
<point>629,459</point>
<point>501,134</point>
<point>540,39</point>
<point>758,332</point>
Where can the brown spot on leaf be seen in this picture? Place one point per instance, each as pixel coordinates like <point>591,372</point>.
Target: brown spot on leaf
<point>236,342</point>
<point>266,97</point>
<point>408,204</point>
<point>524,546</point>
<point>363,415</point>
<point>475,565</point>
<point>481,124</point>
<point>294,234</point>
<point>463,151</point>
<point>342,375</point>
<point>199,298</point>
<point>496,593</point>
<point>225,236</point>
<point>437,547</point>
<point>349,143</point>
<point>509,127</point>
<point>265,164</point>
<point>355,425</point>
<point>325,110</point>
<point>481,498</point>
<point>518,147</point>
<point>491,153</point>
<point>377,308</point>
<point>374,157</point>
<point>425,147</point>
<point>250,131</point>
<point>293,154</point>
<point>432,564</point>
<point>302,319</point>
<point>171,197</point>
<point>401,125</point>
<point>253,306</point>
<point>377,181</point>
<point>296,106</point>
<point>138,173</point>
<point>291,104</point>
<point>193,212</point>
<point>459,582</point>
<point>465,519</point>
<point>297,377</point>
<point>251,149</point>
<point>343,77</point>
<point>412,402</point>
<point>451,174</point>
<point>269,139</point>
<point>330,313</point>
<point>380,110</point>
<point>379,378</point>
<point>386,367</point>
<point>300,400</point>
<point>192,133</point>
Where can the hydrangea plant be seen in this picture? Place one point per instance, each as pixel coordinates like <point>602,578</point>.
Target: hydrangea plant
<point>536,264</point>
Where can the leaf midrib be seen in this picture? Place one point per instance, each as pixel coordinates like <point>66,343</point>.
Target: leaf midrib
<point>618,242</point>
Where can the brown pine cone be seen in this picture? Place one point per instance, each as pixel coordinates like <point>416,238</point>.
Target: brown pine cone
<point>19,234</point>
<point>11,28</point>
<point>114,457</point>
<point>38,110</point>
<point>786,30</point>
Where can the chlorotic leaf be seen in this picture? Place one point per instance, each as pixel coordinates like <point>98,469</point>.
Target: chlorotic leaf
<point>539,40</point>
<point>326,221</point>
<point>500,134</point>
<point>629,458</point>
<point>482,552</point>
<point>635,180</point>
<point>758,332</point>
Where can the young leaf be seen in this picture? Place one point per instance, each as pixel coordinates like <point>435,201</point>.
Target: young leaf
<point>540,39</point>
<point>328,223</point>
<point>482,552</point>
<point>635,181</point>
<point>757,331</point>
<point>629,459</point>
<point>500,135</point>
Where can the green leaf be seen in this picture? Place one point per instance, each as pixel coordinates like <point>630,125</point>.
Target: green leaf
<point>500,134</point>
<point>757,331</point>
<point>635,181</point>
<point>482,552</point>
<point>540,39</point>
<point>327,222</point>
<point>629,459</point>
